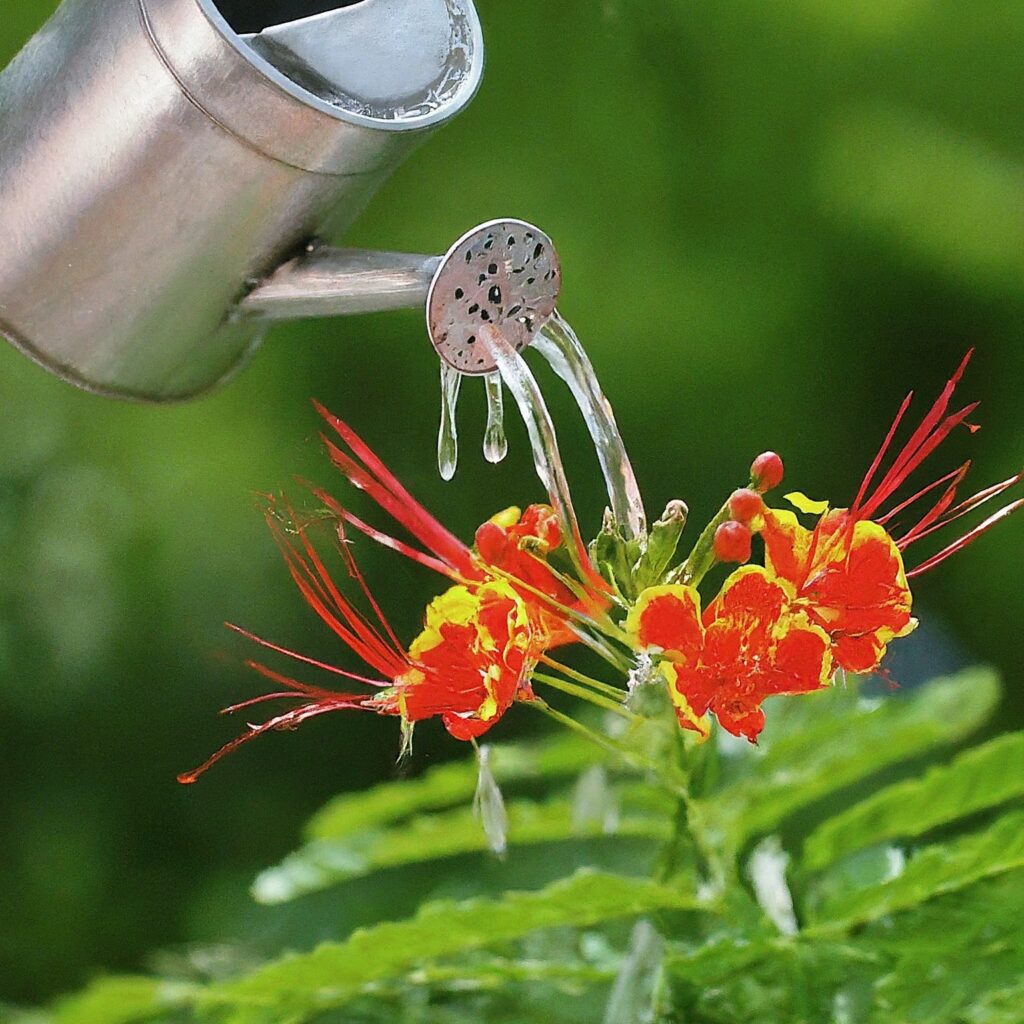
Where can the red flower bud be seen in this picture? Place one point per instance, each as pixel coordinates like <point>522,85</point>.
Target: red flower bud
<point>745,504</point>
<point>766,471</point>
<point>732,543</point>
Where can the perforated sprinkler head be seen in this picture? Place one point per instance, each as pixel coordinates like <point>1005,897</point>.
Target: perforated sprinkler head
<point>506,274</point>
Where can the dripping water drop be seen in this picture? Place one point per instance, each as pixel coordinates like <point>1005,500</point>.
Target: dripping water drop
<point>448,437</point>
<point>495,442</point>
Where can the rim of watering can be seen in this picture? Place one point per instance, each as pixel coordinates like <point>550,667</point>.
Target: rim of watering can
<point>184,47</point>
<point>463,95</point>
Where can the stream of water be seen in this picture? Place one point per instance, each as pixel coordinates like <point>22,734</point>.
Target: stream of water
<point>559,345</point>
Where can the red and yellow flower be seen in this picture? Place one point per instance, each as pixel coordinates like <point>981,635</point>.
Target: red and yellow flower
<point>832,595</point>
<point>847,572</point>
<point>851,582</point>
<point>471,661</point>
<point>751,643</point>
<point>481,637</point>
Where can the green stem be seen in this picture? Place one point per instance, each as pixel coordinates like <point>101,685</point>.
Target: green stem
<point>702,558</point>
<point>583,693</point>
<point>605,688</point>
<point>672,782</point>
<point>668,861</point>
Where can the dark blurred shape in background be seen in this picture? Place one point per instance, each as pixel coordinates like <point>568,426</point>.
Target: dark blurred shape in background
<point>774,220</point>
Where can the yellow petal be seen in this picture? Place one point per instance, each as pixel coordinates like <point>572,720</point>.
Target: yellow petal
<point>802,503</point>
<point>507,518</point>
<point>688,718</point>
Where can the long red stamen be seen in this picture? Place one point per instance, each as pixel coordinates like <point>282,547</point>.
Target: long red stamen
<point>904,505</point>
<point>968,505</point>
<point>389,493</point>
<point>356,573</point>
<point>300,689</point>
<point>321,594</point>
<point>384,539</point>
<point>413,517</point>
<point>968,538</point>
<point>899,472</point>
<point>356,620</point>
<point>936,512</point>
<point>866,482</point>
<point>304,659</point>
<point>287,721</point>
<point>263,698</point>
<point>922,442</point>
<point>385,665</point>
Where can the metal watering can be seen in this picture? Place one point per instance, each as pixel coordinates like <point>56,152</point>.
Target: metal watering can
<point>167,167</point>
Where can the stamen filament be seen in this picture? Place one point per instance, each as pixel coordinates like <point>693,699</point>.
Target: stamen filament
<point>606,688</point>
<point>615,707</point>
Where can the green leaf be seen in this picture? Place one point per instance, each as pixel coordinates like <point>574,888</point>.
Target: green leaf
<point>662,544</point>
<point>807,765</point>
<point>934,871</point>
<point>1000,1007</point>
<point>122,1000</point>
<point>945,962</point>
<point>324,862</point>
<point>615,557</point>
<point>979,779</point>
<point>335,973</point>
<point>947,957</point>
<point>448,785</point>
<point>771,981</point>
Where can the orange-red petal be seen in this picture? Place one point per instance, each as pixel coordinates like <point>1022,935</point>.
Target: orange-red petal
<point>667,619</point>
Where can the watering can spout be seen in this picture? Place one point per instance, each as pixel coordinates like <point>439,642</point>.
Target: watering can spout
<point>384,58</point>
<point>159,159</point>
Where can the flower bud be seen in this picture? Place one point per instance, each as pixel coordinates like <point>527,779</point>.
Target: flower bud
<point>676,511</point>
<point>766,471</point>
<point>732,542</point>
<point>490,542</point>
<point>745,504</point>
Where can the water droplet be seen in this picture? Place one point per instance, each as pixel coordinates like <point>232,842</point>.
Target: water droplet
<point>489,805</point>
<point>767,869</point>
<point>633,994</point>
<point>595,807</point>
<point>448,435</point>
<point>495,442</point>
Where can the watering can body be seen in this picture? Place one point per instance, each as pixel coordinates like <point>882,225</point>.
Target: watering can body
<point>154,167</point>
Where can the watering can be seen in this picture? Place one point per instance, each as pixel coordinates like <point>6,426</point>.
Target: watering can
<point>168,168</point>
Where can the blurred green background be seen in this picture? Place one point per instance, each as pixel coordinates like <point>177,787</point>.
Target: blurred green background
<point>774,220</point>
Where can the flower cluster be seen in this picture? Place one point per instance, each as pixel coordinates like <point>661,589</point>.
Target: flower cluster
<point>832,594</point>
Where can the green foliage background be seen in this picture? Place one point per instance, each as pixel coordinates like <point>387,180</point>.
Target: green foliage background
<point>774,220</point>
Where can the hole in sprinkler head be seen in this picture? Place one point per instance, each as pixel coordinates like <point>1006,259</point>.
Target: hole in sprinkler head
<point>256,15</point>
